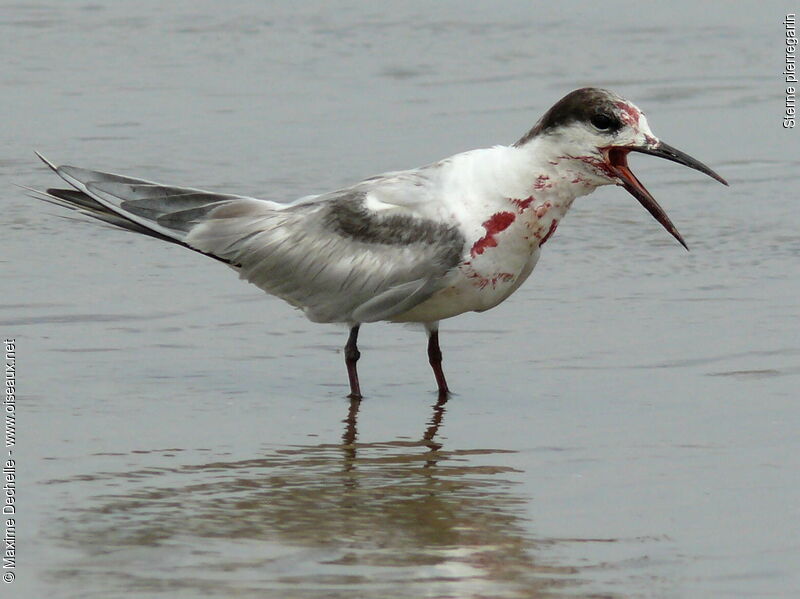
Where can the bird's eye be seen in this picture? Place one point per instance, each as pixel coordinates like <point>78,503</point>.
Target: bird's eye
<point>602,121</point>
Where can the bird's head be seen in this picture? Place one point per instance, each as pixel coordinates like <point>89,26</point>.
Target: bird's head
<point>591,131</point>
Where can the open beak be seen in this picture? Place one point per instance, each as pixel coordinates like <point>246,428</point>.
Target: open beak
<point>617,157</point>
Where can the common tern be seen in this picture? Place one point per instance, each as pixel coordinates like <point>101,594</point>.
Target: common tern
<point>418,245</point>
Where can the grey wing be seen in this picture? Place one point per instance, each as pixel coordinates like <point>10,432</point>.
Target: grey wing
<point>331,257</point>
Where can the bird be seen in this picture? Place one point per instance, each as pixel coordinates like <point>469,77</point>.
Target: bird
<point>417,246</point>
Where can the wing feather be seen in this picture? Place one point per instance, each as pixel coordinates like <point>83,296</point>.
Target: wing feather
<point>361,267</point>
<point>358,255</point>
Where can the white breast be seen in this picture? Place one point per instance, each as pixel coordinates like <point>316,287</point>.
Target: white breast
<point>507,209</point>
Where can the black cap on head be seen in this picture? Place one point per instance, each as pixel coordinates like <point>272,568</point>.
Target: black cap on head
<point>581,105</point>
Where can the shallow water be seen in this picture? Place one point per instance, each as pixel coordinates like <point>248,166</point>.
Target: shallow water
<point>625,425</point>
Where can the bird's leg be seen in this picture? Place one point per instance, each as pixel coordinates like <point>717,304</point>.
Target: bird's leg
<point>435,358</point>
<point>351,356</point>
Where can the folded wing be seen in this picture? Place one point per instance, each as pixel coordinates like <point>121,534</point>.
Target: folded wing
<point>333,256</point>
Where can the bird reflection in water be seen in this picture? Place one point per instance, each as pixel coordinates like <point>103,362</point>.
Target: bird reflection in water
<point>350,436</point>
<point>353,516</point>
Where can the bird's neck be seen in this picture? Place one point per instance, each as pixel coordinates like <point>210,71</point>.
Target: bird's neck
<point>527,181</point>
<point>523,192</point>
<point>554,173</point>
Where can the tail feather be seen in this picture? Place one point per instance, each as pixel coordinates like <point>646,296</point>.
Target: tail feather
<point>84,204</point>
<point>163,212</point>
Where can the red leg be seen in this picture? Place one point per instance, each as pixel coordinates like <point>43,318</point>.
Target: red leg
<point>351,356</point>
<point>435,359</point>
